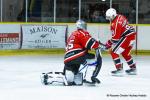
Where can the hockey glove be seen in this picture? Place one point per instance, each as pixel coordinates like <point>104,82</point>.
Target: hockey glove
<point>102,46</point>
<point>108,44</point>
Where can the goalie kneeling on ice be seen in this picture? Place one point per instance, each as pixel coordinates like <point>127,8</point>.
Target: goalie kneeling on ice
<point>89,70</point>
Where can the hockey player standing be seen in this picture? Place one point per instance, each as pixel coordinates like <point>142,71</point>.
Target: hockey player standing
<point>121,42</point>
<point>78,44</point>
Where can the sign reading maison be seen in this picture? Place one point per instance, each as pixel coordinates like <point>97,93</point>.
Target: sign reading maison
<point>43,28</point>
<point>43,36</point>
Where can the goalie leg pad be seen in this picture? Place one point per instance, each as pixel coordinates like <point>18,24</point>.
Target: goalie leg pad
<point>78,79</point>
<point>69,76</point>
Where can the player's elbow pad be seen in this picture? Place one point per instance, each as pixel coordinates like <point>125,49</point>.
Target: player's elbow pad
<point>92,44</point>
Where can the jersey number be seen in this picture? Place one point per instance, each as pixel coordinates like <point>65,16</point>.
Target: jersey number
<point>70,45</point>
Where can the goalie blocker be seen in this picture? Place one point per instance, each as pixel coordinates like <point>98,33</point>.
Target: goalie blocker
<point>68,77</point>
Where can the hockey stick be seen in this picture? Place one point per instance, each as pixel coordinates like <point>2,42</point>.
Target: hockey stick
<point>99,64</point>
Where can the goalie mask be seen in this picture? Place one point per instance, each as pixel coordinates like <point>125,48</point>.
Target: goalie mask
<point>111,14</point>
<point>80,24</point>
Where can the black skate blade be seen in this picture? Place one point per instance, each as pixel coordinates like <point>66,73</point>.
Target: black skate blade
<point>91,83</point>
<point>117,75</point>
<point>96,81</point>
<point>131,74</point>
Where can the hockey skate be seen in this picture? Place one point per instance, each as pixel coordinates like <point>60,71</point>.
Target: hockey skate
<point>70,84</point>
<point>131,71</point>
<point>93,81</point>
<point>118,72</point>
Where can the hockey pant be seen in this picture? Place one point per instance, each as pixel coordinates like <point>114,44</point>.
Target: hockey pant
<point>123,47</point>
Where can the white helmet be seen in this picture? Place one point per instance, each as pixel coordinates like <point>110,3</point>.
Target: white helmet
<point>81,24</point>
<point>111,14</point>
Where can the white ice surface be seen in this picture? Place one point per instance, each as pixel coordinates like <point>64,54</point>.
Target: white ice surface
<point>20,80</point>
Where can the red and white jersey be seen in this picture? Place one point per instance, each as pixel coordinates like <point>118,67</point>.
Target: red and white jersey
<point>120,28</point>
<point>78,44</point>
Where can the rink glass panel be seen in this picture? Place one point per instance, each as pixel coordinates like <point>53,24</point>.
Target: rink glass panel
<point>92,11</point>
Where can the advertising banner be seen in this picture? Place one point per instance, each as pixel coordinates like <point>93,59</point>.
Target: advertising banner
<point>43,36</point>
<point>9,40</point>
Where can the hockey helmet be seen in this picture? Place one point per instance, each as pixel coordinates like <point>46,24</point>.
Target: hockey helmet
<point>80,24</point>
<point>111,14</point>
